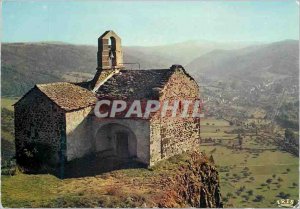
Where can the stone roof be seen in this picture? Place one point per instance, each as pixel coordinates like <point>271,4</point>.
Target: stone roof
<point>136,84</point>
<point>68,96</point>
<point>124,84</point>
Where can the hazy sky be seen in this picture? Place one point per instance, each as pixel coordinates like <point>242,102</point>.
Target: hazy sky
<point>149,22</point>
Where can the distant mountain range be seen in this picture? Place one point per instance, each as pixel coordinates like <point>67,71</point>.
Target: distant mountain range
<point>25,64</point>
<point>267,61</point>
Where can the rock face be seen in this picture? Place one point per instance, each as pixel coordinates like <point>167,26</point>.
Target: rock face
<point>196,184</point>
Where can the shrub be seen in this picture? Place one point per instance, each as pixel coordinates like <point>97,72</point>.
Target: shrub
<point>283,195</point>
<point>238,192</point>
<point>245,174</point>
<point>258,198</point>
<point>250,192</point>
<point>8,171</point>
<point>114,191</point>
<point>229,194</point>
<point>245,197</point>
<point>268,181</point>
<point>242,188</point>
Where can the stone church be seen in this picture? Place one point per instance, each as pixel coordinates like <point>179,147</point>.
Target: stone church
<point>61,114</point>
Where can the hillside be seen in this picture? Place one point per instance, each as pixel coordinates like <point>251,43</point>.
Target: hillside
<point>25,64</point>
<point>264,61</point>
<point>187,180</point>
<point>185,52</point>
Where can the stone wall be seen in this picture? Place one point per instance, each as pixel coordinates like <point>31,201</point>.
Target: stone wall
<point>79,133</point>
<point>173,135</point>
<point>155,141</point>
<point>38,119</point>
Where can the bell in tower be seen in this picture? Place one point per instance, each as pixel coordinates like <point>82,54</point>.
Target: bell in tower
<point>110,55</point>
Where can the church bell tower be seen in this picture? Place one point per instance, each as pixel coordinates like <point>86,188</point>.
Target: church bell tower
<point>109,58</point>
<point>110,54</point>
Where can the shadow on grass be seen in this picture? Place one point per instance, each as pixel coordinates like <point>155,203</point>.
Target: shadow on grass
<point>90,165</point>
<point>94,165</point>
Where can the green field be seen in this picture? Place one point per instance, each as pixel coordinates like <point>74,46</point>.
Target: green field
<point>255,175</point>
<point>215,129</point>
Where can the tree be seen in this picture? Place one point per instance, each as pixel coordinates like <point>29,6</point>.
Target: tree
<point>283,195</point>
<point>280,179</point>
<point>250,192</point>
<point>242,188</point>
<point>240,140</point>
<point>268,181</point>
<point>258,198</point>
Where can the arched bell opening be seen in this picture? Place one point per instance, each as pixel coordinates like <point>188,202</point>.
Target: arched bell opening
<point>112,52</point>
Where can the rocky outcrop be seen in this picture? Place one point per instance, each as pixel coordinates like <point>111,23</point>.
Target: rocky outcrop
<point>195,184</point>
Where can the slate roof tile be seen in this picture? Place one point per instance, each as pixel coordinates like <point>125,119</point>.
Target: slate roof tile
<point>135,84</point>
<point>68,96</point>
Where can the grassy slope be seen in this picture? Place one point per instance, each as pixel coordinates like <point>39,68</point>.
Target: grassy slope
<point>122,188</point>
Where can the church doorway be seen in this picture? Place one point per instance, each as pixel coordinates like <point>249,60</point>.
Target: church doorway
<point>115,140</point>
<point>115,147</point>
<point>122,149</point>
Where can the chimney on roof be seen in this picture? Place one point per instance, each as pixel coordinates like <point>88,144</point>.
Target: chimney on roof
<point>110,54</point>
